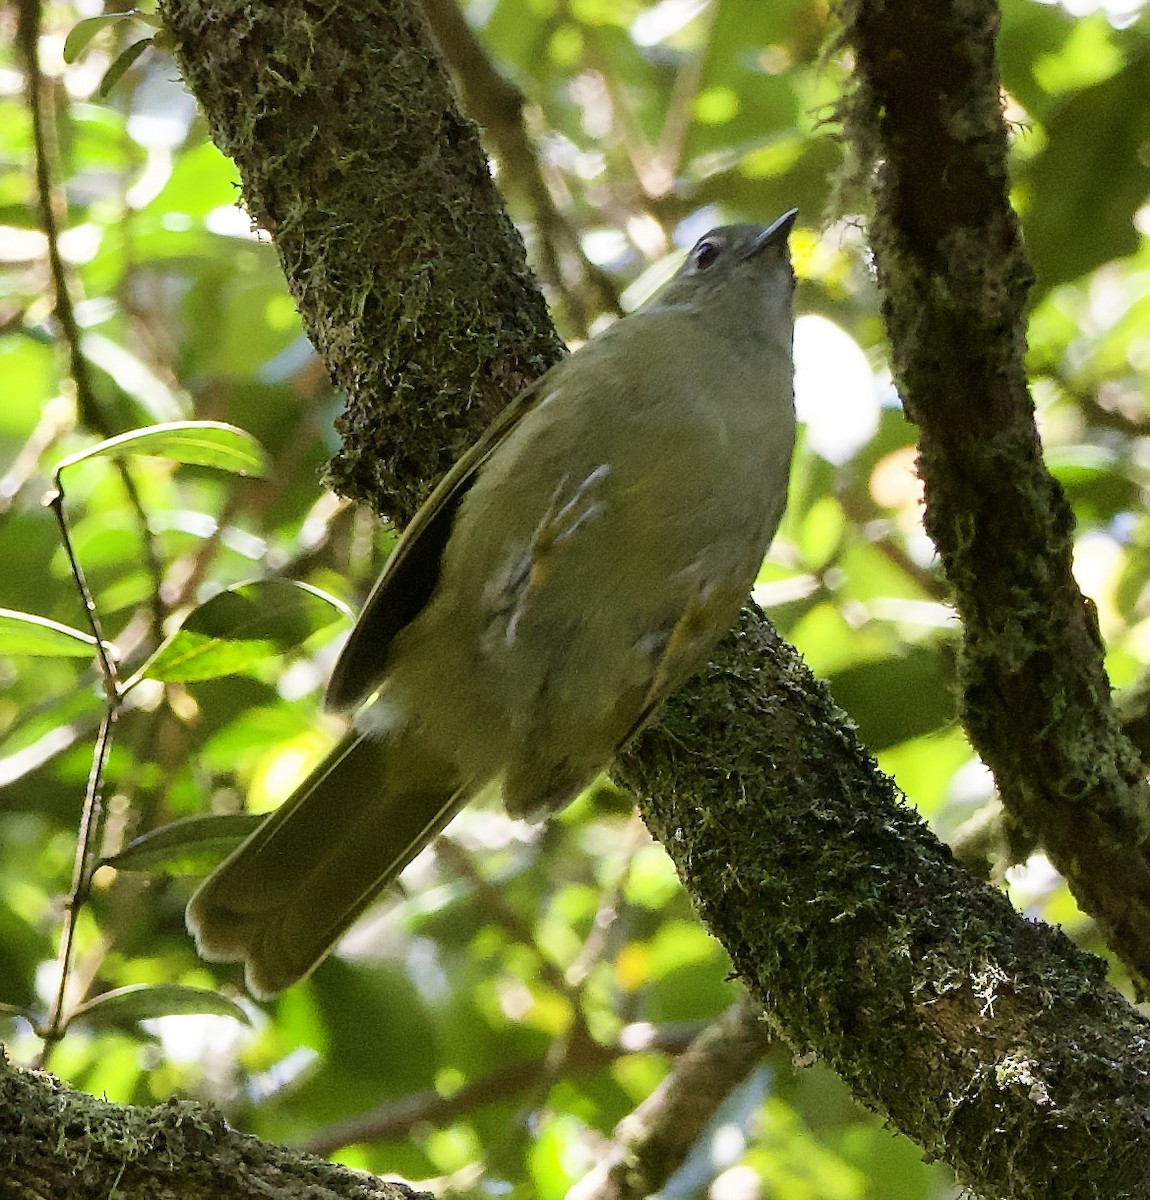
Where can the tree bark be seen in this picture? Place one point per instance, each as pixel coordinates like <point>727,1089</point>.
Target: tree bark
<point>954,279</point>
<point>61,1145</point>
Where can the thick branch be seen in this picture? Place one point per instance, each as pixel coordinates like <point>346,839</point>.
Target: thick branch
<point>988,1039</point>
<point>61,1145</point>
<point>355,157</point>
<point>954,280</point>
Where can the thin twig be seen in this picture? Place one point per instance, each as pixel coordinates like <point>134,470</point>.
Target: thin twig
<point>50,201</point>
<point>651,1143</point>
<point>495,905</point>
<point>610,902</point>
<point>53,1029</point>
<point>926,578</point>
<point>498,106</point>
<point>642,155</point>
<point>56,418</point>
<point>680,109</point>
<point>397,1119</point>
<point>88,833</point>
<point>55,501</point>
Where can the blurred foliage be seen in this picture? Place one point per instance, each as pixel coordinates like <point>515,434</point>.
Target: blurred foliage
<point>651,122</point>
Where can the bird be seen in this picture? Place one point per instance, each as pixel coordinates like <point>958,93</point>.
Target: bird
<point>571,570</point>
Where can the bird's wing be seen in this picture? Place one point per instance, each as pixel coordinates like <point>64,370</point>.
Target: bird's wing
<point>412,571</point>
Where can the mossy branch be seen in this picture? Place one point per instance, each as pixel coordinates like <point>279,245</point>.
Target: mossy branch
<point>57,1144</point>
<point>954,280</point>
<point>411,280</point>
<point>988,1039</point>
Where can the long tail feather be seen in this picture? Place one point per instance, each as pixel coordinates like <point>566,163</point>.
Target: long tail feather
<point>281,901</point>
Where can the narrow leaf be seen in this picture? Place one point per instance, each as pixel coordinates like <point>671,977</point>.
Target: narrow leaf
<point>201,443</point>
<point>115,72</point>
<point>81,34</point>
<point>187,847</point>
<point>240,627</point>
<point>153,396</point>
<point>26,633</point>
<point>145,1001</point>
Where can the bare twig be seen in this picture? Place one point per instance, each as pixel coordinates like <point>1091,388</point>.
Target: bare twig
<point>395,1120</point>
<point>596,942</point>
<point>498,106</point>
<point>651,1143</point>
<point>50,202</point>
<point>88,835</point>
<point>53,1029</point>
<point>55,501</point>
<point>55,420</point>
<point>495,904</point>
<point>677,122</point>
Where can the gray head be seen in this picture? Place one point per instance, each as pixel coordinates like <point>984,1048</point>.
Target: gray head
<point>737,273</point>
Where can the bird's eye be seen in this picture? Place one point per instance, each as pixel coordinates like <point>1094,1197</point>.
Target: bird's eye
<point>706,254</point>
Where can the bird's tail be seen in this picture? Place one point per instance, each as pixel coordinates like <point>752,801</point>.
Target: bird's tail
<point>283,898</point>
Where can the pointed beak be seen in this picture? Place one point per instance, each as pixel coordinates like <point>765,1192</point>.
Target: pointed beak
<point>776,232</point>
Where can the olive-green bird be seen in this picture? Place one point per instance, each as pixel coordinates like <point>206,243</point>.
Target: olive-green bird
<point>571,570</point>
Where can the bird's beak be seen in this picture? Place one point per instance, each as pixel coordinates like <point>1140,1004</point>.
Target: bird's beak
<point>778,231</point>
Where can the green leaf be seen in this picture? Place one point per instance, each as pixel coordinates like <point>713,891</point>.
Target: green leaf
<point>187,847</point>
<point>82,33</point>
<point>145,1001</point>
<point>907,695</point>
<point>148,392</point>
<point>115,72</point>
<point>189,656</point>
<point>1079,223</point>
<point>25,633</point>
<point>200,443</point>
<point>240,627</point>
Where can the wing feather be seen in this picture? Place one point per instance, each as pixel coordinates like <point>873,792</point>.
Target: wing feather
<point>411,573</point>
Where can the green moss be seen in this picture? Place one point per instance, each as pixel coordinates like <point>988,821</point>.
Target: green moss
<point>429,325</point>
<point>60,1143</point>
<point>954,279</point>
<point>804,859</point>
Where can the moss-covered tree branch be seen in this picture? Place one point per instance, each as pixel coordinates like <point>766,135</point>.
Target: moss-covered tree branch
<point>56,1144</point>
<point>411,280</point>
<point>988,1039</point>
<point>954,279</point>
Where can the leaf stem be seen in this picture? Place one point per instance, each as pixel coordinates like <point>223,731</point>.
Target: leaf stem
<point>53,1030</point>
<point>54,1027</point>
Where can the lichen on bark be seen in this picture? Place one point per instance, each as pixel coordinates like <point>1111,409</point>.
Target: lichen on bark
<point>354,156</point>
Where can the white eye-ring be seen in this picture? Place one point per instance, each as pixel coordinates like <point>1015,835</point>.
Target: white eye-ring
<point>707,254</point>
